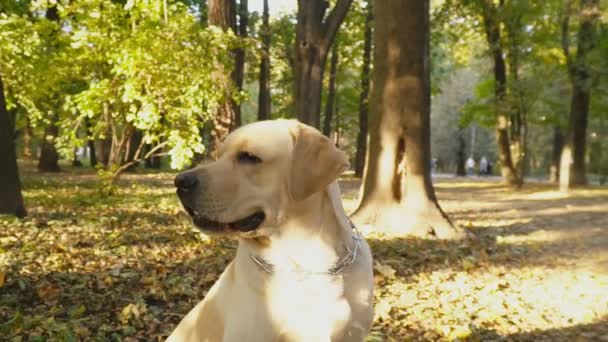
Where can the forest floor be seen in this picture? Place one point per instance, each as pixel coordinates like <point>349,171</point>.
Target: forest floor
<point>127,267</point>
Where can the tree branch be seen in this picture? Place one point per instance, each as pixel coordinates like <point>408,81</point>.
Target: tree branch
<point>333,21</point>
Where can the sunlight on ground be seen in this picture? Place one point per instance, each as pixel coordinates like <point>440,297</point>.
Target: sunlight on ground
<point>130,265</point>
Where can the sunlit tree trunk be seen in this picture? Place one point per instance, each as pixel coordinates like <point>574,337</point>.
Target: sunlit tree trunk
<point>364,95</point>
<point>493,36</point>
<point>397,194</point>
<point>315,33</point>
<point>11,200</point>
<point>222,13</point>
<point>330,104</point>
<point>572,164</point>
<point>264,91</point>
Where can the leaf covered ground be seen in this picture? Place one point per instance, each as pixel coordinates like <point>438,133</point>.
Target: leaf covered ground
<point>127,267</point>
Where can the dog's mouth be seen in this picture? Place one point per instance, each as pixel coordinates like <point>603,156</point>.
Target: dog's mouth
<point>246,224</point>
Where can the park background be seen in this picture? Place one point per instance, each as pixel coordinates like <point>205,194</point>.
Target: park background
<point>103,101</point>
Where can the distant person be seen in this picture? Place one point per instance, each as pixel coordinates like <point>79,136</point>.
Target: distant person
<point>489,167</point>
<point>483,166</point>
<point>470,166</point>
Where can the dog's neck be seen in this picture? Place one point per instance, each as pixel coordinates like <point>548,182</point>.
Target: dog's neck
<point>314,235</point>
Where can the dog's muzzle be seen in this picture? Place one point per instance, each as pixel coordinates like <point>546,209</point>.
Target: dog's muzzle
<point>188,184</point>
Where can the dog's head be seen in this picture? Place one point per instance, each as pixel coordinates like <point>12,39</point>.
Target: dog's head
<point>261,170</point>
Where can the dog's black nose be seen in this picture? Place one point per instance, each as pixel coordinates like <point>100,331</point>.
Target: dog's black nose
<point>186,181</point>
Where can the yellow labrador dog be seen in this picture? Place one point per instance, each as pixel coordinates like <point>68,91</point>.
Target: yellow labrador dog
<point>302,272</point>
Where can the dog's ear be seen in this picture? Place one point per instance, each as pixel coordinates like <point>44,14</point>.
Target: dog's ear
<point>316,162</point>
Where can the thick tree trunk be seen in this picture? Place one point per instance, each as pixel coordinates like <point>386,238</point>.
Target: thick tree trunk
<point>330,104</point>
<point>398,196</point>
<point>572,166</point>
<point>558,143</point>
<point>222,13</point>
<point>314,37</point>
<point>264,91</point>
<point>11,200</point>
<point>493,36</point>
<point>364,95</point>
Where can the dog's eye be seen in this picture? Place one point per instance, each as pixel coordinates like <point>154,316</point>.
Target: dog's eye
<point>248,158</point>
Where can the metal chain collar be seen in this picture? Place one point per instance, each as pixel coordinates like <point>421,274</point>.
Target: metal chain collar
<point>333,271</point>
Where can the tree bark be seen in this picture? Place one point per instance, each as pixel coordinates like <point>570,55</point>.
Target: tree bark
<point>11,200</point>
<point>461,154</point>
<point>49,158</point>
<point>397,195</point>
<point>222,13</point>
<point>314,37</point>
<point>558,144</point>
<point>493,36</point>
<point>330,104</point>
<point>27,140</point>
<point>264,90</point>
<point>572,164</point>
<point>364,95</point>
<point>239,58</point>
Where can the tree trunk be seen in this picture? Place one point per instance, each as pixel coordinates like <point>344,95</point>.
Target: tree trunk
<point>572,166</point>
<point>134,143</point>
<point>203,12</point>
<point>493,36</point>
<point>222,13</point>
<point>330,104</point>
<point>239,58</point>
<point>91,144</point>
<point>364,95</point>
<point>461,155</point>
<point>558,144</point>
<point>49,158</point>
<point>11,201</point>
<point>27,140</point>
<point>264,91</point>
<point>314,37</point>
<point>397,195</point>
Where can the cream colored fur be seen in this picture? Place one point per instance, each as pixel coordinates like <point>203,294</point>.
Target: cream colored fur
<point>306,228</point>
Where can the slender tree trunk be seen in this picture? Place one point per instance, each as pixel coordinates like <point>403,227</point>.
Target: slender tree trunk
<point>264,91</point>
<point>330,105</point>
<point>27,140</point>
<point>203,12</point>
<point>222,13</point>
<point>398,196</point>
<point>239,58</point>
<point>91,144</point>
<point>11,200</point>
<point>49,158</point>
<point>364,95</point>
<point>558,143</point>
<point>461,154</point>
<point>493,35</point>
<point>315,33</point>
<point>572,168</point>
